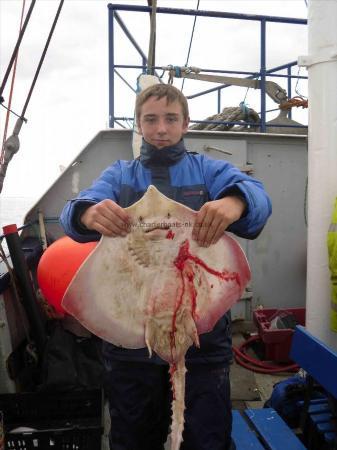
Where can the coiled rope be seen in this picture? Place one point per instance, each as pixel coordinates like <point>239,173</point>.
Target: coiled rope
<point>230,114</point>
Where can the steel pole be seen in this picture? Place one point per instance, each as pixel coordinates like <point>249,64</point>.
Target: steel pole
<point>29,300</point>
<point>263,75</point>
<point>322,162</point>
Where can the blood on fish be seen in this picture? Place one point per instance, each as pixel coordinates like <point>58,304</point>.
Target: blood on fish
<point>193,293</point>
<point>170,235</point>
<point>187,274</point>
<point>184,254</point>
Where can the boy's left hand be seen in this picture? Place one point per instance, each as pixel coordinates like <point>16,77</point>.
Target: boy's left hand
<point>215,217</point>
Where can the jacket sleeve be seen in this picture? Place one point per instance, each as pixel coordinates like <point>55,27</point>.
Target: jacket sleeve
<point>106,186</point>
<point>223,179</point>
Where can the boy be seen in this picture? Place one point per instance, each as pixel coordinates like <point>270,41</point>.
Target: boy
<point>226,199</point>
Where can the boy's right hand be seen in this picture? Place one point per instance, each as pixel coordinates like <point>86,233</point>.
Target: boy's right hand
<point>107,218</point>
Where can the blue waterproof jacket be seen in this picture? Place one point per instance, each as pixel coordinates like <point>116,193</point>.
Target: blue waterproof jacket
<point>191,179</point>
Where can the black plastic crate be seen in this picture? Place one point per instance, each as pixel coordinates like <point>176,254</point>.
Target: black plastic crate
<point>53,420</point>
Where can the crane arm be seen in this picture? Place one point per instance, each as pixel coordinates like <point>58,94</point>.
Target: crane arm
<point>275,92</point>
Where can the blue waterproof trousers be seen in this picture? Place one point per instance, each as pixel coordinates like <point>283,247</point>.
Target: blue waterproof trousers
<point>140,406</point>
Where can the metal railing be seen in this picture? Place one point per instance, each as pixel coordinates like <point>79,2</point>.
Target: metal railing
<point>114,17</point>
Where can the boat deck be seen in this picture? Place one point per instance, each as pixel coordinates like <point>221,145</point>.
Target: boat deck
<point>250,389</point>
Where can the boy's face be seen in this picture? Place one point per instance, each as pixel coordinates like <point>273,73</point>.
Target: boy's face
<point>162,124</point>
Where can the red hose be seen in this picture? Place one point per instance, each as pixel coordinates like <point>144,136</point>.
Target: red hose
<point>256,365</point>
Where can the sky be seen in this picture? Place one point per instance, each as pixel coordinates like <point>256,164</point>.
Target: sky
<point>69,105</point>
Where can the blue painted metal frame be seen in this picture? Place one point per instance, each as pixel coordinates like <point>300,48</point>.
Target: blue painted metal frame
<point>315,358</point>
<point>113,15</point>
<point>243,435</point>
<point>274,431</point>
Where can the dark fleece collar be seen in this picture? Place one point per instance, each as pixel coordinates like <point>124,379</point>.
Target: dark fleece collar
<point>151,156</point>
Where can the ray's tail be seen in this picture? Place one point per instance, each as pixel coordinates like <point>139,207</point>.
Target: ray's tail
<point>178,372</point>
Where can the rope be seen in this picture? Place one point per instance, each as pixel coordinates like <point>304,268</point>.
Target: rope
<point>294,102</point>
<point>16,48</point>
<point>42,57</point>
<point>296,86</point>
<point>11,91</point>
<point>178,72</point>
<point>230,114</point>
<point>190,46</point>
<point>12,144</point>
<point>244,99</point>
<point>245,110</point>
<point>15,114</point>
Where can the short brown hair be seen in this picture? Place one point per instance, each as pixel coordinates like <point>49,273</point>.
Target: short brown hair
<point>159,91</point>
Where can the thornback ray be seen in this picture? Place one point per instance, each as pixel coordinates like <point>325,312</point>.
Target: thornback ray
<point>157,288</point>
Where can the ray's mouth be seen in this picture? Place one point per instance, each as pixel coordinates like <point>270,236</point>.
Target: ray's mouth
<point>158,228</point>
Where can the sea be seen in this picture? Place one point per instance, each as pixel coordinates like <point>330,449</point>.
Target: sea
<point>14,209</point>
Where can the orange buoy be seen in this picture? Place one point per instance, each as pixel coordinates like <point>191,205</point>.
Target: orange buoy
<point>57,267</point>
